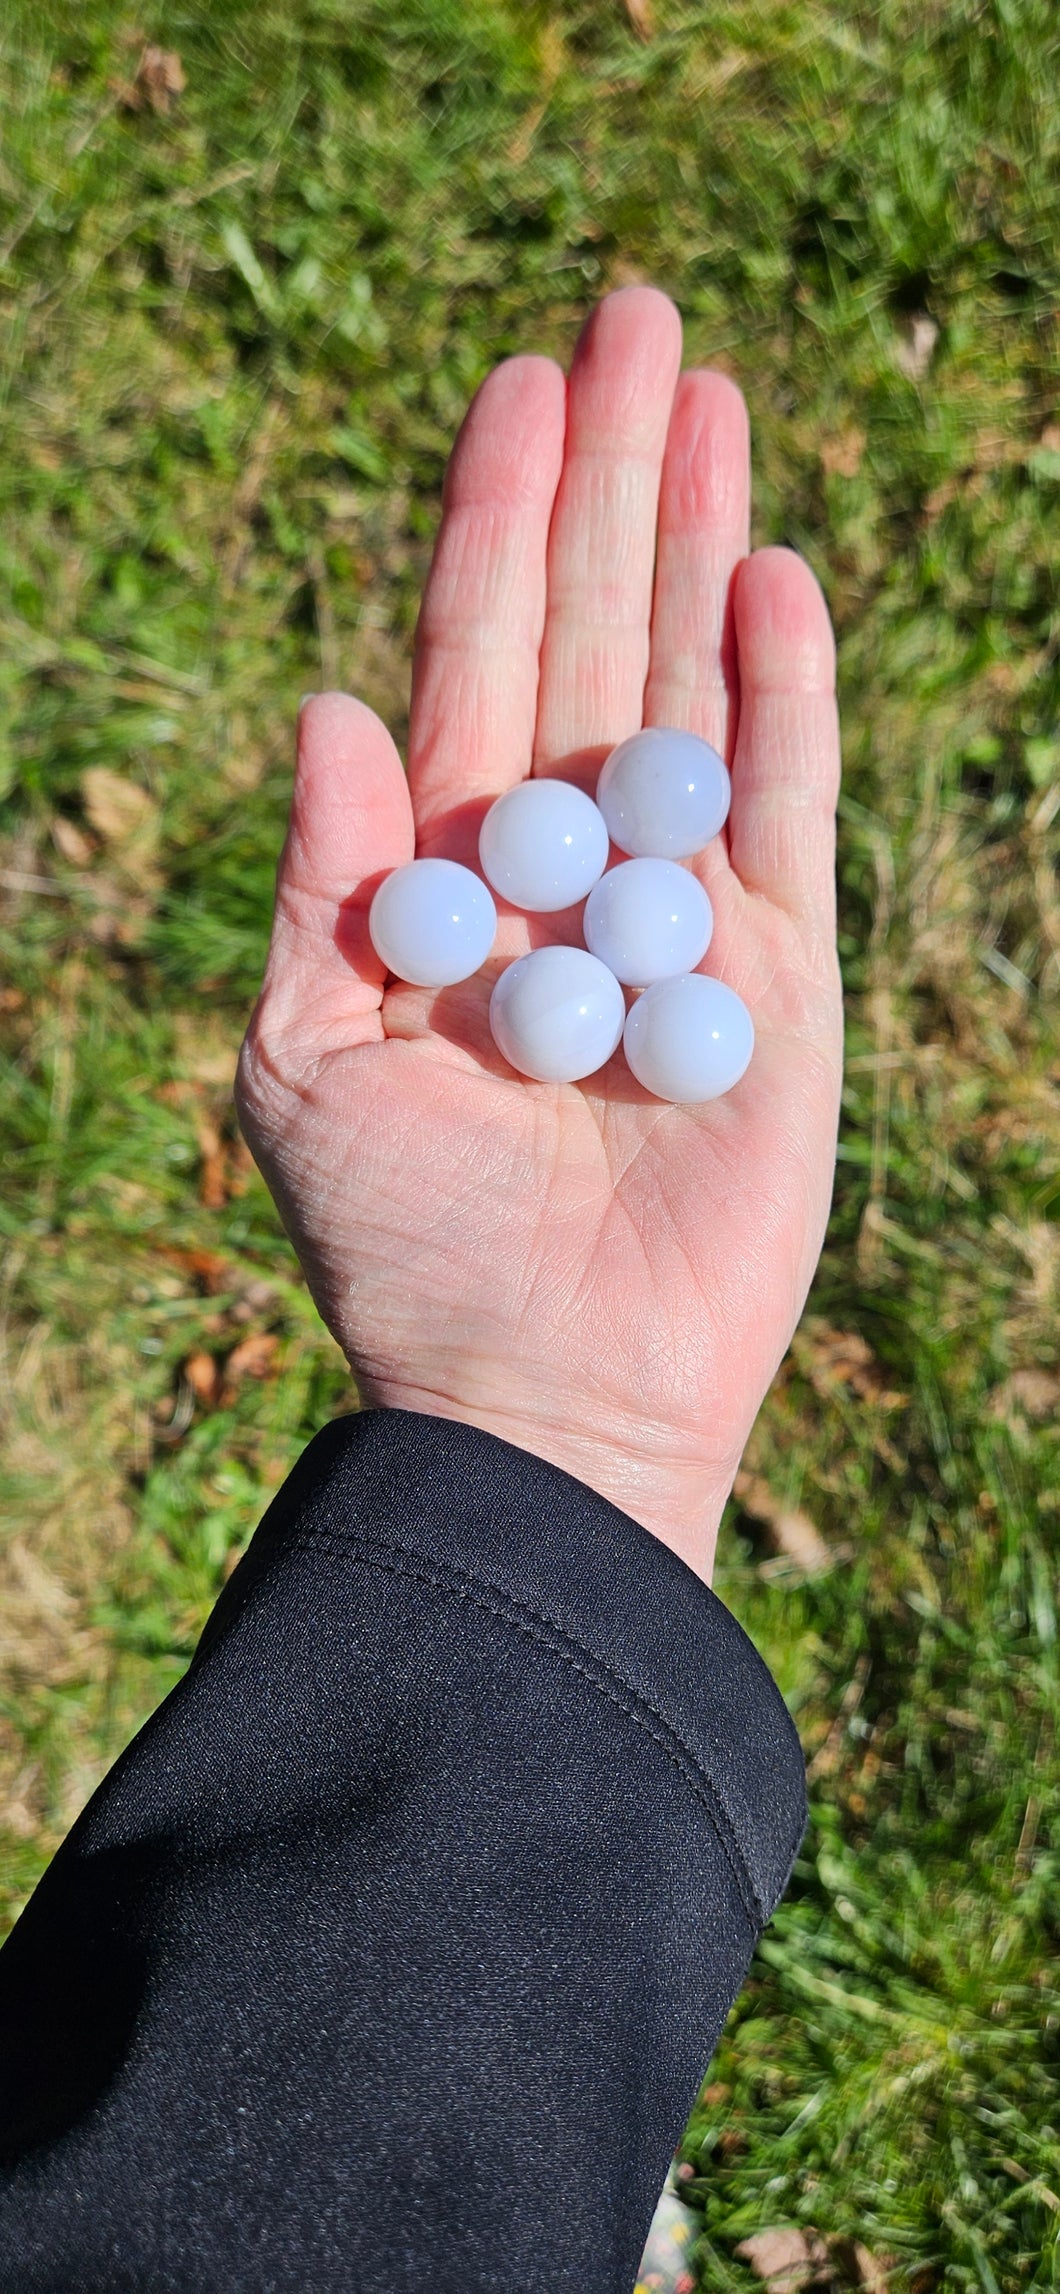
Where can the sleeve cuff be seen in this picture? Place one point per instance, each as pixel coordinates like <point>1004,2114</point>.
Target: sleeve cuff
<point>528,1543</point>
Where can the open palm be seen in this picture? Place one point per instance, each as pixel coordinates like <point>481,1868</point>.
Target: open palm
<point>592,1274</point>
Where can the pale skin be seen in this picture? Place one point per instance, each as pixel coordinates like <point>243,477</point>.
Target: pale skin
<point>597,1277</point>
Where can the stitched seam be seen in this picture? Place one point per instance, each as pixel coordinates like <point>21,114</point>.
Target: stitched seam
<point>600,1677</point>
<point>725,1822</point>
<point>639,1705</point>
<point>398,1561</point>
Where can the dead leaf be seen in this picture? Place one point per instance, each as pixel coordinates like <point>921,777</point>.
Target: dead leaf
<point>118,809</point>
<point>209,1268</point>
<point>791,1532</point>
<point>213,1190</point>
<point>785,2259</point>
<point>841,456</point>
<point>72,842</point>
<point>914,354</point>
<point>256,1298</point>
<point>254,1357</point>
<point>519,150</point>
<point>41,1636</point>
<point>38,1582</point>
<point>829,1755</point>
<point>859,2267</point>
<point>127,819</point>
<point>159,77</point>
<point>121,917</point>
<point>22,1796</point>
<point>1035,1393</point>
<point>241,1167</point>
<point>205,1051</point>
<point>641,18</point>
<point>203,1377</point>
<point>842,1357</point>
<point>874,2270</point>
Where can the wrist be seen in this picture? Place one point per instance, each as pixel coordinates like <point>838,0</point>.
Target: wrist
<point>677,1497</point>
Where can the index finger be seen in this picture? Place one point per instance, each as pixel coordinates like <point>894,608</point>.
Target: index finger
<point>475,673</point>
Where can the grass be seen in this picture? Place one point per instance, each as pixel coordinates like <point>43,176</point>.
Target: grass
<point>239,333</point>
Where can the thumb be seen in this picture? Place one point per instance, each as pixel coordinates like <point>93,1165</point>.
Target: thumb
<point>350,823</point>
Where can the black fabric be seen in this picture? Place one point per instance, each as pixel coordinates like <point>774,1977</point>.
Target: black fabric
<point>391,1953</point>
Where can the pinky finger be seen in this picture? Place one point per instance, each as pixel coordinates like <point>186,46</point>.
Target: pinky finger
<point>785,777</point>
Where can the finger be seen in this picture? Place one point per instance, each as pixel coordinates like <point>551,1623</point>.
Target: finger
<point>350,822</point>
<point>594,654</point>
<point>704,513</point>
<point>785,776</point>
<point>474,687</point>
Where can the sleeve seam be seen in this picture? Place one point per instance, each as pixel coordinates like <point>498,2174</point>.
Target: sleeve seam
<point>548,1633</point>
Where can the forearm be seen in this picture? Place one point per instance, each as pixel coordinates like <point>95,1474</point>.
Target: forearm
<point>429,1888</point>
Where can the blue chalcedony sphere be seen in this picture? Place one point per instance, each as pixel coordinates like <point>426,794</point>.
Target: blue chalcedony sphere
<point>689,1039</point>
<point>557,1014</point>
<point>663,794</point>
<point>647,919</point>
<point>542,845</point>
<point>432,923</point>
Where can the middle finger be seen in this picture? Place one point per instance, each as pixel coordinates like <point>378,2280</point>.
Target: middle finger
<point>601,554</point>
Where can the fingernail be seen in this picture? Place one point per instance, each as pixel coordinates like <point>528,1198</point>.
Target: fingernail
<point>305,697</point>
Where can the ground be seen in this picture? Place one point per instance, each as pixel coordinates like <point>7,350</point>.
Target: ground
<point>252,262</point>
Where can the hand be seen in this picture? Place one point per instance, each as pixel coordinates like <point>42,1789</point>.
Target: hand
<point>598,1277</point>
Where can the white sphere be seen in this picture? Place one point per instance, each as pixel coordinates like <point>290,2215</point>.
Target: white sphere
<point>689,1039</point>
<point>663,794</point>
<point>557,1014</point>
<point>432,922</point>
<point>542,845</point>
<point>648,919</point>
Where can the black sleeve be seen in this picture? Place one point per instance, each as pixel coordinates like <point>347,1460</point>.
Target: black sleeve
<point>392,1951</point>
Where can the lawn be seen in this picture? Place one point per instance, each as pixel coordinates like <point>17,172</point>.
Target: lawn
<point>253,260</point>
